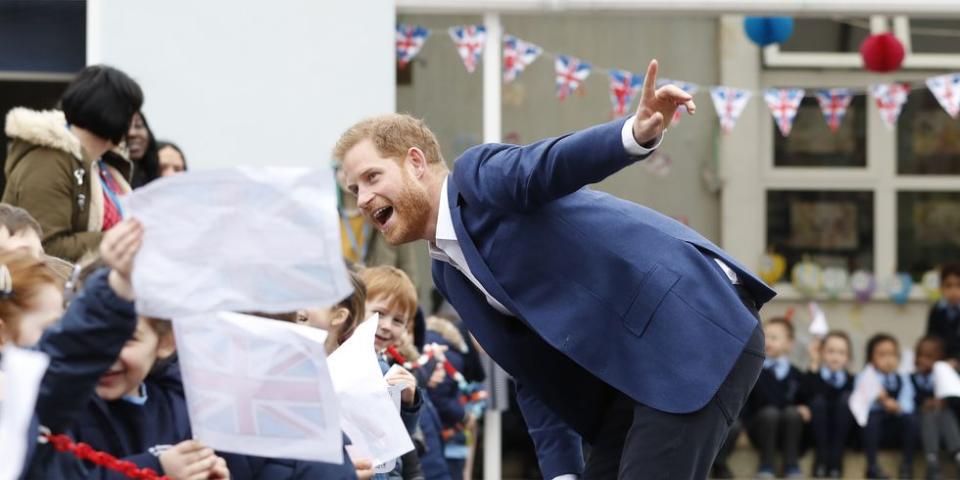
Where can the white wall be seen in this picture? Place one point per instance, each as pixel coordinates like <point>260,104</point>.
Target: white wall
<point>251,82</point>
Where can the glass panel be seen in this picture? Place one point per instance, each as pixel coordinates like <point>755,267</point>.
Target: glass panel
<point>812,144</point>
<point>833,228</point>
<point>928,230</point>
<point>934,36</point>
<point>928,140</point>
<point>826,35</point>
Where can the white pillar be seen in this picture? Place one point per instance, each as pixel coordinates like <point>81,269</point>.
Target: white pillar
<point>492,131</point>
<point>94,31</point>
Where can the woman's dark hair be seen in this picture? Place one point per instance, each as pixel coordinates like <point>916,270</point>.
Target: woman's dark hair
<point>161,144</point>
<point>103,100</point>
<point>147,169</point>
<point>877,340</point>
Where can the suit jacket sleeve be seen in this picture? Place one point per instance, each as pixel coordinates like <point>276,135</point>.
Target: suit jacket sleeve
<point>520,178</point>
<point>559,450</point>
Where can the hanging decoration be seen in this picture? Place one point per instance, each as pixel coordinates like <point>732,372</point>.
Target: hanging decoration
<point>765,31</point>
<point>783,103</point>
<point>469,40</point>
<point>863,285</point>
<point>882,53</point>
<point>623,88</point>
<point>410,39</point>
<point>570,73</point>
<point>772,267</point>
<point>834,103</point>
<point>517,56</point>
<point>807,277</point>
<point>729,103</point>
<point>931,285</point>
<point>898,287</point>
<point>946,88</point>
<point>835,281</point>
<point>890,98</point>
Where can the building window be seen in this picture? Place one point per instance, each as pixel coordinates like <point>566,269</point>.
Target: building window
<point>812,144</point>
<point>833,228</point>
<point>928,232</point>
<point>928,140</point>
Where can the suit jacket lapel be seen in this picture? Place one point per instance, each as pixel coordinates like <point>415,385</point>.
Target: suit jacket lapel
<point>477,266</point>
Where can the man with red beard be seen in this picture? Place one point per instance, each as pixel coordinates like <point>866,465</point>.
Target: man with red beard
<point>621,326</point>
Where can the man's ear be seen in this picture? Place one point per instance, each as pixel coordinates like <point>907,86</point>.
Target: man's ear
<point>417,161</point>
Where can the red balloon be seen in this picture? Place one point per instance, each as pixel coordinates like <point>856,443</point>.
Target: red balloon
<point>882,53</point>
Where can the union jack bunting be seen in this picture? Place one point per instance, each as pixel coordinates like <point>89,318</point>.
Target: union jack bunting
<point>834,103</point>
<point>469,40</point>
<point>410,39</point>
<point>947,90</point>
<point>783,103</point>
<point>890,99</point>
<point>729,103</point>
<point>623,87</point>
<point>570,73</point>
<point>517,56</point>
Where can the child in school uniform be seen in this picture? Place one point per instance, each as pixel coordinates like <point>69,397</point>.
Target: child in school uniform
<point>774,416</point>
<point>944,318</point>
<point>826,388</point>
<point>392,295</point>
<point>139,412</point>
<point>891,421</point>
<point>938,423</point>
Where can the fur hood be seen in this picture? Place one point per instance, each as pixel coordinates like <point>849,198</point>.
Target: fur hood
<point>46,128</point>
<point>448,331</point>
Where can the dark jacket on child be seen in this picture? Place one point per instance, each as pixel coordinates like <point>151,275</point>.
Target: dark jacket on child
<point>813,385</point>
<point>131,431</point>
<point>922,387</point>
<point>771,391</point>
<point>81,347</point>
<point>944,321</point>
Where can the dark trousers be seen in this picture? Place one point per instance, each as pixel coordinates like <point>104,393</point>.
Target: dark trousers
<point>456,466</point>
<point>936,426</point>
<point>773,426</point>
<point>890,430</point>
<point>636,441</point>
<point>729,444</point>
<point>831,420</point>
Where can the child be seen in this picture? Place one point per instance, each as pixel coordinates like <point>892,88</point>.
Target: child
<point>774,416</point>
<point>944,318</point>
<point>392,296</point>
<point>891,419</point>
<point>827,387</point>
<point>19,230</point>
<point>340,320</point>
<point>81,346</point>
<point>937,420</point>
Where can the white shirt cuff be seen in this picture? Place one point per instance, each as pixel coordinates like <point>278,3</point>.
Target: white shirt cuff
<point>568,476</point>
<point>630,144</point>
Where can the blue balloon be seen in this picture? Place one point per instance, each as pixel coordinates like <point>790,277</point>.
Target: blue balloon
<point>768,30</point>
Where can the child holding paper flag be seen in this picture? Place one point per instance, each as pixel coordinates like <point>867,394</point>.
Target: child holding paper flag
<point>933,380</point>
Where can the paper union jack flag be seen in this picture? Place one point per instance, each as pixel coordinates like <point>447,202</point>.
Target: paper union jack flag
<point>947,90</point>
<point>410,39</point>
<point>623,87</point>
<point>890,99</point>
<point>517,56</point>
<point>729,103</point>
<point>783,103</point>
<point>834,103</point>
<point>570,73</point>
<point>691,88</point>
<point>240,387</point>
<point>469,40</point>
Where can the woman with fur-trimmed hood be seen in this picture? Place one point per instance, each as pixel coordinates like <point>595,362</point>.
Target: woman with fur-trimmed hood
<point>64,167</point>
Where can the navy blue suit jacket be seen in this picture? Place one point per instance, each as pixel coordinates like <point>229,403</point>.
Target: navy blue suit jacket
<point>605,292</point>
